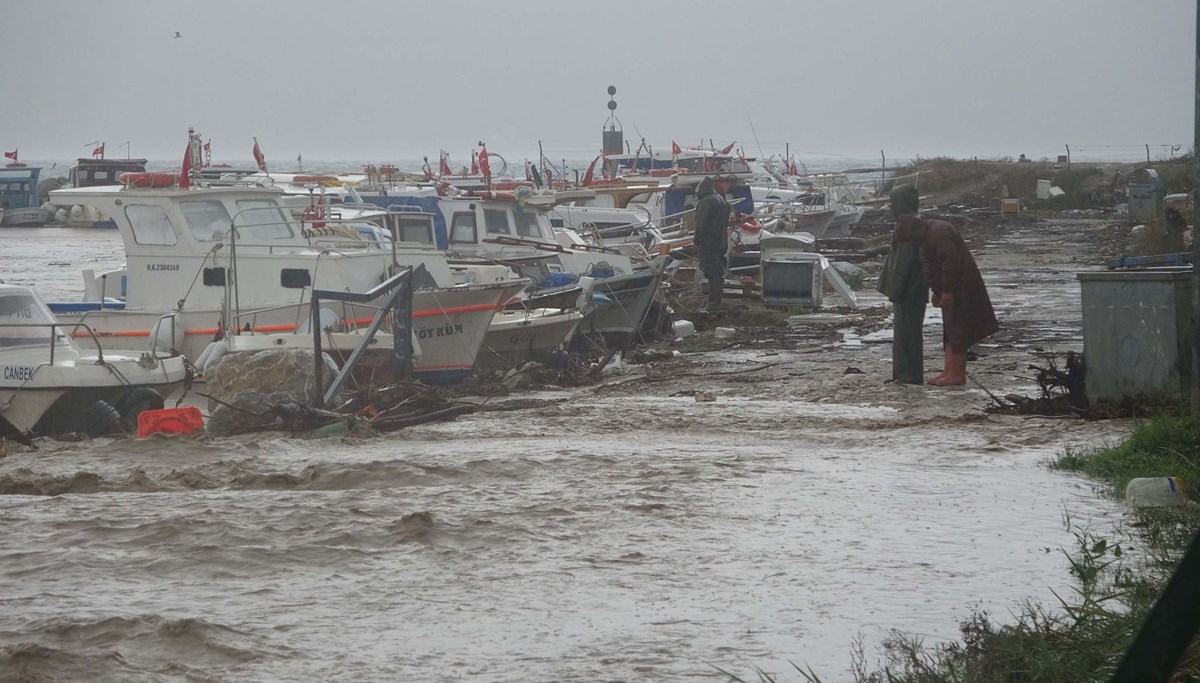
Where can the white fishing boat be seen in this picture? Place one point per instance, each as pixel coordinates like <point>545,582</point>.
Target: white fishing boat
<point>235,258</point>
<point>516,336</point>
<point>513,228</point>
<point>48,384</point>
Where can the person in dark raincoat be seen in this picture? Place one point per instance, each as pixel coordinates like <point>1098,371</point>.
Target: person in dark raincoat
<point>711,238</point>
<point>958,289</point>
<point>903,283</point>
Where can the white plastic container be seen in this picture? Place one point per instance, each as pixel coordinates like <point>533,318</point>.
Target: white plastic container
<point>684,328</point>
<point>1156,492</point>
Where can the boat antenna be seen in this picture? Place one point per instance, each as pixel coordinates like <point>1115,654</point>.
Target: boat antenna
<point>760,149</point>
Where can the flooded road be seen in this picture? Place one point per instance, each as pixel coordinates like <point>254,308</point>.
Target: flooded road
<point>613,533</point>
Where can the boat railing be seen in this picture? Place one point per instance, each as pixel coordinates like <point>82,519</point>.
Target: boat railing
<point>64,339</point>
<point>350,318</point>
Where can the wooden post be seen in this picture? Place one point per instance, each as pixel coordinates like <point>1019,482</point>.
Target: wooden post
<point>1147,154</point>
<point>1068,158</point>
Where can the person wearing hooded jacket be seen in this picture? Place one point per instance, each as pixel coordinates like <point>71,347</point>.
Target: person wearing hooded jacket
<point>711,238</point>
<point>957,285</point>
<point>903,283</point>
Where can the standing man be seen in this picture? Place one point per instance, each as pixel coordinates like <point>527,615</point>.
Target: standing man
<point>903,283</point>
<point>958,289</point>
<point>711,238</point>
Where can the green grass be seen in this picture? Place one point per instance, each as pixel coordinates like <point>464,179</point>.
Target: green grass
<point>1164,446</point>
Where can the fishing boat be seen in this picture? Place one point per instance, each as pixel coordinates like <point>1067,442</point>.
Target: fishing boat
<point>235,258</point>
<point>49,385</point>
<point>19,197</point>
<point>513,227</point>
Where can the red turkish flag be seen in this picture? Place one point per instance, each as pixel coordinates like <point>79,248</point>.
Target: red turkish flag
<point>591,171</point>
<point>98,152</point>
<point>675,149</point>
<point>729,148</point>
<point>259,158</point>
<point>484,167</point>
<point>444,166</point>
<point>11,155</point>
<point>185,172</point>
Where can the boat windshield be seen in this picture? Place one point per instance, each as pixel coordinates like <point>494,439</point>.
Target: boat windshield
<point>25,321</point>
<point>262,218</point>
<point>527,223</point>
<point>208,220</point>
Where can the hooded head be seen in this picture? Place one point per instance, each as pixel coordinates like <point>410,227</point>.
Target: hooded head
<point>904,200</point>
<point>705,187</point>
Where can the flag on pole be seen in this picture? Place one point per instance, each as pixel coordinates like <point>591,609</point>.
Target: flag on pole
<point>729,147</point>
<point>484,167</point>
<point>591,171</point>
<point>207,146</point>
<point>259,158</point>
<point>185,171</point>
<point>444,165</point>
<point>674,150</point>
<point>792,168</point>
<point>11,155</point>
<point>99,151</point>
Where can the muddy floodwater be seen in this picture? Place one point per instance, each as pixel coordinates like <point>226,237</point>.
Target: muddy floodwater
<point>618,532</point>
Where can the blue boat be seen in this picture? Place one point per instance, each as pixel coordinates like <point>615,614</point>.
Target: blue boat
<point>19,197</point>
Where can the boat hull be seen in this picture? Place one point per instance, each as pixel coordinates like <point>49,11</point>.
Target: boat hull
<point>515,337</point>
<point>31,217</point>
<point>448,324</point>
<point>54,397</point>
<point>621,305</point>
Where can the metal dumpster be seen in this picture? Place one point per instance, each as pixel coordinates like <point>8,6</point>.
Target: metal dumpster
<point>1137,333</point>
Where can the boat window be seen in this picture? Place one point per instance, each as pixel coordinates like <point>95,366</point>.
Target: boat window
<point>495,221</point>
<point>527,223</point>
<point>414,229</point>
<point>150,224</point>
<point>462,228</point>
<point>261,218</point>
<point>19,308</point>
<point>208,220</point>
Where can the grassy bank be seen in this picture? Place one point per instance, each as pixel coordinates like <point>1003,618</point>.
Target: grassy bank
<point>1116,576</point>
<point>983,183</point>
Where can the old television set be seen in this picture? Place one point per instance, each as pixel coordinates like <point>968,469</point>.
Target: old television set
<point>791,276</point>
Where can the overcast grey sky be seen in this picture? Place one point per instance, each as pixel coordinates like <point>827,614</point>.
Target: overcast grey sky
<point>381,80</point>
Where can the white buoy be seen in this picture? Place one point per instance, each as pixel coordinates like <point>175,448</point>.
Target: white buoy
<point>60,216</point>
<point>76,214</point>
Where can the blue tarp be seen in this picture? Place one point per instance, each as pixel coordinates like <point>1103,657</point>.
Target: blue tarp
<point>739,198</point>
<point>425,204</point>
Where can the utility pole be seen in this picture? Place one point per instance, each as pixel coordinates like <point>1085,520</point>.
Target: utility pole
<point>1196,234</point>
<point>1147,154</point>
<point>1068,158</point>
<point>882,173</point>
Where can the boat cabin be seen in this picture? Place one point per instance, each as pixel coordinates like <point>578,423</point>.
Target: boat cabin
<point>89,172</point>
<point>18,187</point>
<point>200,246</point>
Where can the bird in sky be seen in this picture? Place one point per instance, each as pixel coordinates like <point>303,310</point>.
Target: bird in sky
<point>178,34</point>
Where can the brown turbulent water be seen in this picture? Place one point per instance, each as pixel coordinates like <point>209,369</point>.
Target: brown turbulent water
<point>609,535</point>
